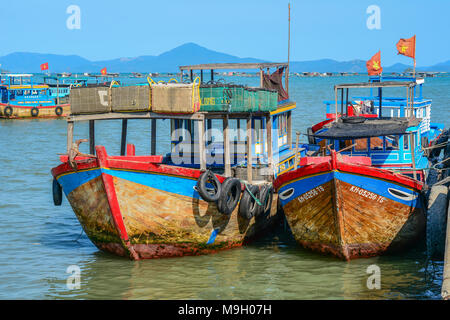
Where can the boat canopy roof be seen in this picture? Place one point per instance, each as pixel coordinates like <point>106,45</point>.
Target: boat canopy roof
<point>371,127</point>
<point>384,84</point>
<point>212,66</point>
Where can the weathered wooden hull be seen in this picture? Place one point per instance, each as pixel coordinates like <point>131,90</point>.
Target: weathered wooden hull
<point>148,210</point>
<point>24,112</point>
<point>351,211</point>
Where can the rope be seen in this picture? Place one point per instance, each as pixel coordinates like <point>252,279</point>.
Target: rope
<point>436,146</point>
<point>251,194</point>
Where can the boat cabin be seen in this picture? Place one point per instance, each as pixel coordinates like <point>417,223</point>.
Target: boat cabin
<point>393,135</point>
<point>20,90</point>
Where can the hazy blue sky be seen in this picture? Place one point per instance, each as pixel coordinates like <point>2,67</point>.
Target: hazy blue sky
<point>246,28</point>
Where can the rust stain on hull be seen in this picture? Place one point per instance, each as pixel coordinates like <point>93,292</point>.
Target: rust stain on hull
<point>344,224</point>
<point>161,224</point>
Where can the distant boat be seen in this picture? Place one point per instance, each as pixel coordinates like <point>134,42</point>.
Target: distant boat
<point>21,98</point>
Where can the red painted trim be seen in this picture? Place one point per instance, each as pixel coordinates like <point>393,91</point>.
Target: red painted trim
<point>82,163</point>
<point>131,150</point>
<point>334,164</point>
<point>320,125</point>
<point>114,207</point>
<point>149,164</point>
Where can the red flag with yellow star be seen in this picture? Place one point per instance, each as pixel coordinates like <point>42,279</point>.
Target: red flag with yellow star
<point>374,65</point>
<point>407,47</point>
<point>103,71</point>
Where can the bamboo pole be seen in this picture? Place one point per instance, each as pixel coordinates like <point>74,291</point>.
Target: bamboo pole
<point>92,136</point>
<point>269,146</point>
<point>249,150</point>
<point>69,135</point>
<point>201,143</point>
<point>153,139</point>
<point>289,49</point>
<point>226,147</point>
<point>123,141</point>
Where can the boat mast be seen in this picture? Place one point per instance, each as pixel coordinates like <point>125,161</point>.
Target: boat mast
<point>289,49</point>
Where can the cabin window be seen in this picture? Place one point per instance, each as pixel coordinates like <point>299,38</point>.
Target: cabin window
<point>361,144</point>
<point>405,143</point>
<point>34,92</point>
<point>282,129</point>
<point>26,92</point>
<point>391,142</point>
<point>376,143</point>
<point>18,92</point>
<point>42,92</point>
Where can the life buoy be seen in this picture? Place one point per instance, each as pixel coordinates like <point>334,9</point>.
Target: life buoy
<point>249,206</point>
<point>34,112</point>
<point>209,187</point>
<point>58,110</point>
<point>8,111</point>
<point>266,197</point>
<point>57,193</point>
<point>230,195</point>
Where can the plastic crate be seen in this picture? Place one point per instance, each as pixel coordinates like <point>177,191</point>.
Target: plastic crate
<point>214,98</point>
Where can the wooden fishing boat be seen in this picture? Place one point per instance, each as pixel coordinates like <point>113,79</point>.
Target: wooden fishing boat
<point>360,194</point>
<point>21,98</point>
<point>159,206</point>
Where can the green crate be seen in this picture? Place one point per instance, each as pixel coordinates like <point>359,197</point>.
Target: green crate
<point>238,99</point>
<point>267,100</point>
<point>213,98</point>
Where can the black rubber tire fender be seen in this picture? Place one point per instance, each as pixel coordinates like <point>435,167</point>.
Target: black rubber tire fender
<point>57,193</point>
<point>8,111</point>
<point>34,112</point>
<point>230,195</point>
<point>205,178</point>
<point>353,119</point>
<point>266,197</point>
<point>58,110</point>
<point>248,207</point>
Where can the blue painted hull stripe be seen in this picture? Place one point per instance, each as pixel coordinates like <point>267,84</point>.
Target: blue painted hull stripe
<point>373,185</point>
<point>177,185</point>
<point>70,182</point>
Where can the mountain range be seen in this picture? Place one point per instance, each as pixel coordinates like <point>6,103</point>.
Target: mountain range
<point>186,54</point>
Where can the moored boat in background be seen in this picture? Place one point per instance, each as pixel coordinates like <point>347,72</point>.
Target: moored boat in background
<point>361,195</point>
<point>21,98</point>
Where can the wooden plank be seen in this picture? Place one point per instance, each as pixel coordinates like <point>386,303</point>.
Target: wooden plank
<point>233,66</point>
<point>133,115</point>
<point>413,154</point>
<point>261,78</point>
<point>69,135</point>
<point>201,143</point>
<point>249,150</point>
<point>153,139</point>
<point>123,141</point>
<point>269,146</point>
<point>92,136</point>
<point>289,129</point>
<point>226,147</point>
<point>445,291</point>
